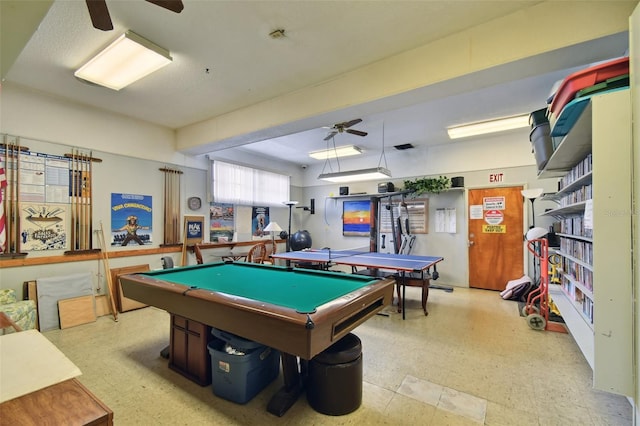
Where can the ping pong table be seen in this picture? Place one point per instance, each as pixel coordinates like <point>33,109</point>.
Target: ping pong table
<point>400,263</point>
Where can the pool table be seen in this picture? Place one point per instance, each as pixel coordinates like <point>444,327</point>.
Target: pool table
<point>300,312</point>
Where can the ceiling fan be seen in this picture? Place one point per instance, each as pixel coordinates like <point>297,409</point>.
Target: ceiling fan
<point>100,13</point>
<point>344,128</point>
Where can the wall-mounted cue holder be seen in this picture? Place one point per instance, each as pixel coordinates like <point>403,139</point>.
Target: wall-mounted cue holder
<point>311,208</point>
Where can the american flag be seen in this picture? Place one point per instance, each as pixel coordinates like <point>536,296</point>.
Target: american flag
<point>3,232</point>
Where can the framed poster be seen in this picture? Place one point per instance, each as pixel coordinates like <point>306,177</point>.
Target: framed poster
<point>131,219</point>
<point>356,218</point>
<point>221,222</point>
<point>43,226</point>
<point>194,229</point>
<point>259,220</point>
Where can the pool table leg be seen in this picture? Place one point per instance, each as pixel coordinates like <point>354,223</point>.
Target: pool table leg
<point>289,393</point>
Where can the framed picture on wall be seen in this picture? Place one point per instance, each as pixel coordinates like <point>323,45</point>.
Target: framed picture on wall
<point>356,218</point>
<point>417,210</point>
<point>194,229</point>
<point>221,222</point>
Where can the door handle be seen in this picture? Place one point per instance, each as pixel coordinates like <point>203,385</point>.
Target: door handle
<point>470,243</point>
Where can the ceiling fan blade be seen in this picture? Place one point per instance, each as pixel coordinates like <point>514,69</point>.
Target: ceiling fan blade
<point>330,135</point>
<point>99,14</point>
<point>356,132</point>
<point>349,123</point>
<point>172,5</point>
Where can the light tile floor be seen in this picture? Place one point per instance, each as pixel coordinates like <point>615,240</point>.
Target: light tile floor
<point>472,361</point>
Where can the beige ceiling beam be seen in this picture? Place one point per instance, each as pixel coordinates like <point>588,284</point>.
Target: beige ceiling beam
<point>542,28</point>
<point>19,19</point>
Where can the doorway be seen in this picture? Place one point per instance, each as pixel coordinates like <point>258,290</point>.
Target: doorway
<point>496,247</point>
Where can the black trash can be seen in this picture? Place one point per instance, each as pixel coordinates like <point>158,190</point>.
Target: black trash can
<point>334,384</point>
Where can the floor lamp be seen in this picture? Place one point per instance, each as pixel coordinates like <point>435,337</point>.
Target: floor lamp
<point>290,204</point>
<point>532,194</point>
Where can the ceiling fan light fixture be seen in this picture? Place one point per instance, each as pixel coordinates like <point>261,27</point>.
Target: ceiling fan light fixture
<point>277,34</point>
<point>489,126</point>
<point>341,151</point>
<point>356,175</point>
<point>128,59</point>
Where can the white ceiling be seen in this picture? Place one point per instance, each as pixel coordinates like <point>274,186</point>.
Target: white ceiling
<point>224,60</point>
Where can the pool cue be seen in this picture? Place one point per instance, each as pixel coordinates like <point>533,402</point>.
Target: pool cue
<point>166,216</point>
<point>80,201</point>
<point>7,202</point>
<point>12,208</point>
<point>184,244</point>
<point>4,204</point>
<point>90,196</point>
<point>176,206</point>
<point>107,273</point>
<point>175,225</point>
<point>177,198</point>
<point>168,210</point>
<point>81,221</point>
<point>85,204</point>
<point>73,191</point>
<point>78,180</point>
<point>17,211</point>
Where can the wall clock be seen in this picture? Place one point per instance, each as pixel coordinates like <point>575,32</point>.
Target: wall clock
<point>194,203</point>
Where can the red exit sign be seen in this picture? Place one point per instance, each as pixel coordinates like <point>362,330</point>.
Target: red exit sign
<point>496,177</point>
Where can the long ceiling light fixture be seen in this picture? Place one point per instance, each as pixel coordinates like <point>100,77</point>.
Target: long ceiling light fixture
<point>489,126</point>
<point>340,151</point>
<point>356,175</point>
<point>362,174</point>
<point>129,58</point>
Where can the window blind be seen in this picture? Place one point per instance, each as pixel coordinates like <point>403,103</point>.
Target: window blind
<point>243,185</point>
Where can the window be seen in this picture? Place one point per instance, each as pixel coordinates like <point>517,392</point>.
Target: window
<point>243,185</point>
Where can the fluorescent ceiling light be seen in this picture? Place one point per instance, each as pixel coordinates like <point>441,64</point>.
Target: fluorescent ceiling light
<point>340,151</point>
<point>124,61</point>
<point>489,126</point>
<point>356,175</point>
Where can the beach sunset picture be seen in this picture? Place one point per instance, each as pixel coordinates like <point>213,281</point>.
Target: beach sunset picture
<point>356,219</point>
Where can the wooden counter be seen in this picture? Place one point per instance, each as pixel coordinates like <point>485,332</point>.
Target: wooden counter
<point>66,403</point>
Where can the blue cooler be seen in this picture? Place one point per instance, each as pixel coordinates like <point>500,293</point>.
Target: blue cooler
<point>240,376</point>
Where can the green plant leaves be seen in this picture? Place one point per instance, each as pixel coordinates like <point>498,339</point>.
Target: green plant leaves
<point>427,185</point>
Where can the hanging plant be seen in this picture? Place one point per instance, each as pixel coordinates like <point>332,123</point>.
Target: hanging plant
<point>427,185</point>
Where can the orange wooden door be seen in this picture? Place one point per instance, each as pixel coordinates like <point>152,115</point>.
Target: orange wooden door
<point>495,237</point>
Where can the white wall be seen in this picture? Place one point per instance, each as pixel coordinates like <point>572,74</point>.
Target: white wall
<point>32,115</point>
<point>326,225</point>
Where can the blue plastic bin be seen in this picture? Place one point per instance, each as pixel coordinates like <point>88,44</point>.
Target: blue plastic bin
<point>239,378</point>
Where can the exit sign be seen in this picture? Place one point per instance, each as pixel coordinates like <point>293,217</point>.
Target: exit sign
<point>496,177</point>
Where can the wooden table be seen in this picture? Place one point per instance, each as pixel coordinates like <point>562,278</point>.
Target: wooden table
<point>66,403</point>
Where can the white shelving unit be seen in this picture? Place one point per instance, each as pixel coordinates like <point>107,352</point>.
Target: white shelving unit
<point>595,297</point>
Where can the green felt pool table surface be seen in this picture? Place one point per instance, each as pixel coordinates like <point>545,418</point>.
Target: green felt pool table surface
<point>297,289</point>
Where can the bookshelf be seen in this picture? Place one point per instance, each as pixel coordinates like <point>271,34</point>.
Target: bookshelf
<point>593,162</point>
